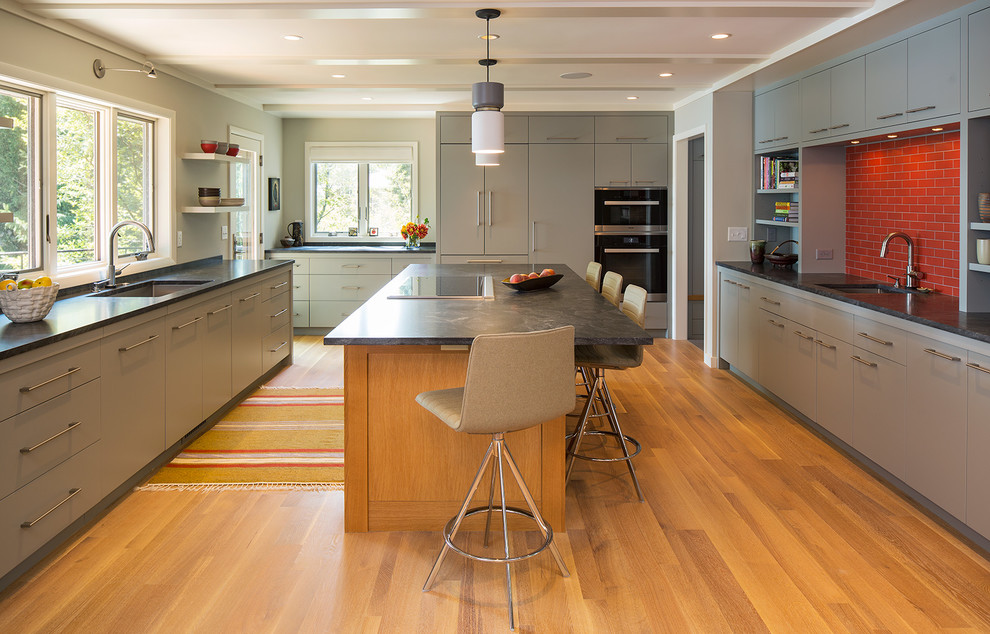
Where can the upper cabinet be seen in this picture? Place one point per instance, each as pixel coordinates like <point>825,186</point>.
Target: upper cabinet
<point>777,118</point>
<point>631,151</point>
<point>979,53</point>
<point>559,129</point>
<point>631,129</point>
<point>457,129</point>
<point>832,101</point>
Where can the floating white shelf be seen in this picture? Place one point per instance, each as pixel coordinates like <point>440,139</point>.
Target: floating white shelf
<point>792,190</point>
<point>775,223</point>
<point>220,158</point>
<point>211,210</point>
<point>984,268</point>
<point>980,226</point>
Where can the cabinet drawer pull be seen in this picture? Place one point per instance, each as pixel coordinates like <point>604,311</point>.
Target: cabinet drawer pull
<point>890,116</point>
<point>71,426</point>
<point>942,355</point>
<point>345,314</point>
<point>804,336</point>
<point>863,361</point>
<point>280,285</point>
<point>978,367</point>
<point>562,138</point>
<point>219,310</point>
<point>779,325</point>
<point>639,181</point>
<point>484,261</point>
<point>618,181</point>
<point>631,138</point>
<point>284,310</point>
<point>350,266</point>
<point>188,323</point>
<point>743,286</point>
<point>72,494</point>
<point>766,141</point>
<point>782,138</point>
<point>770,301</point>
<point>818,130</point>
<point>350,288</point>
<point>731,282</point>
<point>140,343</point>
<point>251,296</point>
<point>874,339</point>
<point>282,345</point>
<point>489,207</point>
<point>54,378</point>
<point>921,109</point>
<point>478,206</point>
<point>824,345</point>
<point>838,127</point>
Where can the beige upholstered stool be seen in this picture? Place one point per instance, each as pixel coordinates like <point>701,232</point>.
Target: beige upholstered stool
<point>612,287</point>
<point>514,381</point>
<point>593,361</point>
<point>593,275</point>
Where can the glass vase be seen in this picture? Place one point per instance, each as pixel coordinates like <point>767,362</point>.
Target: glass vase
<point>757,251</point>
<point>412,242</point>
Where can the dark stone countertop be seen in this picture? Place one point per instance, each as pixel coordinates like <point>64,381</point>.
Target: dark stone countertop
<point>390,249</point>
<point>571,301</point>
<point>934,309</point>
<point>79,313</point>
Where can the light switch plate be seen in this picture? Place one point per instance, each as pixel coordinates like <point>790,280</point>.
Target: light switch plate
<point>178,238</point>
<point>738,234</point>
<point>223,232</point>
<point>823,254</point>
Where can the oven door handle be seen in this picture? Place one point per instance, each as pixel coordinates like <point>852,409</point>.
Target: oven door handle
<point>630,203</point>
<point>632,250</point>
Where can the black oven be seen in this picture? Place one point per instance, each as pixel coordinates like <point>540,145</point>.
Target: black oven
<point>631,236</point>
<point>630,208</point>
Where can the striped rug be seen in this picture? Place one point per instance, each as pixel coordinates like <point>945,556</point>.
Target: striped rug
<point>275,438</point>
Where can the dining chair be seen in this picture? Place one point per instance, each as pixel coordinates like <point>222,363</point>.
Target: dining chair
<point>612,287</point>
<point>593,275</point>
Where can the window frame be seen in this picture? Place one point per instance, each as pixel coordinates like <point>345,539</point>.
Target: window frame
<point>362,153</point>
<point>35,170</point>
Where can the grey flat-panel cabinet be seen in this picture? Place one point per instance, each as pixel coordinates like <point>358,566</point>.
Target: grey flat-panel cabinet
<point>557,129</point>
<point>886,85</point>
<point>848,97</point>
<point>834,376</point>
<point>979,53</point>
<point>506,203</point>
<point>815,108</point>
<point>561,204</point>
<point>777,117</point>
<point>631,164</point>
<point>933,72</point>
<point>878,410</point>
<point>977,464</point>
<point>185,337</point>
<point>247,331</point>
<point>462,184</point>
<point>217,354</point>
<point>649,164</point>
<point>631,129</point>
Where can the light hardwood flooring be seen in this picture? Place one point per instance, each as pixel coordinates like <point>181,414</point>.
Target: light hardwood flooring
<point>752,524</point>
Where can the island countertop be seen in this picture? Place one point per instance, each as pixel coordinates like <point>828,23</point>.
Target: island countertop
<point>571,301</point>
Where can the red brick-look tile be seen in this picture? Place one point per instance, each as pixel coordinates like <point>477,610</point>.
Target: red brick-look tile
<point>909,185</point>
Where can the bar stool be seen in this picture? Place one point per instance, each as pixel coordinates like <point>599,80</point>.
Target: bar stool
<point>514,381</point>
<point>593,361</point>
<point>612,287</point>
<point>593,275</point>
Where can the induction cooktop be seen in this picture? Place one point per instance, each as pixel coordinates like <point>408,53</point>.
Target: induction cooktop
<point>446,287</point>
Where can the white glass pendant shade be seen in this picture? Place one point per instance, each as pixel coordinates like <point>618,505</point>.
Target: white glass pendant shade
<point>487,160</point>
<point>487,132</point>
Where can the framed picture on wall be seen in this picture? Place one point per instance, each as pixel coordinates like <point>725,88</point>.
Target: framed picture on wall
<point>274,194</point>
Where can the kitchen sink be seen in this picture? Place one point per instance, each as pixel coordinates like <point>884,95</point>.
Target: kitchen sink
<point>151,288</point>
<point>866,289</point>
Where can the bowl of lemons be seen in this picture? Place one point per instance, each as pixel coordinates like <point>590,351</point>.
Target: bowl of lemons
<point>27,300</point>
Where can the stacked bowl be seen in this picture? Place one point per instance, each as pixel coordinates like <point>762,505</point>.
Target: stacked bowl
<point>209,196</point>
<point>983,206</point>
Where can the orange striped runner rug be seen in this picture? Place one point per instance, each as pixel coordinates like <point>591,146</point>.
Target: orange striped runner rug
<point>276,438</point>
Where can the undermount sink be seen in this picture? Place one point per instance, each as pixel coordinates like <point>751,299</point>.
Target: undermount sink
<point>866,289</point>
<point>151,288</point>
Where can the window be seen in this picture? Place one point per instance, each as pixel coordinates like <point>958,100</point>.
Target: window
<point>363,190</point>
<point>20,239</point>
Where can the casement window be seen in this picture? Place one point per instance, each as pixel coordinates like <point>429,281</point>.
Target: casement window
<point>20,207</point>
<point>360,190</point>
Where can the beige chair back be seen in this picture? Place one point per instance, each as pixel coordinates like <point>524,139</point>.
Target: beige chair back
<point>593,275</point>
<point>634,304</point>
<point>518,380</point>
<point>612,287</point>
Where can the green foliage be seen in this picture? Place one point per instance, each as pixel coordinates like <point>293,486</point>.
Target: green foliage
<point>336,196</point>
<point>75,185</point>
<point>14,184</point>
<point>389,196</point>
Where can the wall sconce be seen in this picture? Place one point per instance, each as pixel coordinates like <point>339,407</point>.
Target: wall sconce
<point>147,68</point>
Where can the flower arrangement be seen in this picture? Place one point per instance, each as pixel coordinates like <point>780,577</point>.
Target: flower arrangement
<point>412,232</point>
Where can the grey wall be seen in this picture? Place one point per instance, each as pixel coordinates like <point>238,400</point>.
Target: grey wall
<point>199,113</point>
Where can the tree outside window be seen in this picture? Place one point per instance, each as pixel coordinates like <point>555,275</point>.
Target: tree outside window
<point>18,165</point>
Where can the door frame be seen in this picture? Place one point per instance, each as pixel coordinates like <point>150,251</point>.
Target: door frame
<point>259,195</point>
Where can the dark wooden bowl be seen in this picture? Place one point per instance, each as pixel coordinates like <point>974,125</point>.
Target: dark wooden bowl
<point>782,260</point>
<point>534,284</point>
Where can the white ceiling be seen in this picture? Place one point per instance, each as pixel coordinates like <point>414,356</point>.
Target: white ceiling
<point>411,56</point>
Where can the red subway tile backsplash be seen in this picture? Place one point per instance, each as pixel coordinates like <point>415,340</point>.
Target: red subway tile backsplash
<point>909,185</point>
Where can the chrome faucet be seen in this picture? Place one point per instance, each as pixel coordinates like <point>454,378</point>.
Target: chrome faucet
<point>912,276</point>
<point>112,270</point>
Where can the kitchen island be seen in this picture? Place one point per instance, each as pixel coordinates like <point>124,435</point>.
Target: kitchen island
<point>404,469</point>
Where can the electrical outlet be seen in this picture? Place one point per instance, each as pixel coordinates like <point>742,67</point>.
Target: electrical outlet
<point>823,254</point>
<point>178,238</point>
<point>738,234</point>
<point>223,232</point>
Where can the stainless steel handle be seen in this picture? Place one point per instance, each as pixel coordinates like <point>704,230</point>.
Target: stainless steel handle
<point>284,310</point>
<point>618,182</point>
<point>219,310</point>
<point>532,239</point>
<point>631,203</point>
<point>824,345</point>
<point>632,250</point>
<point>837,127</point>
<point>643,181</point>
<point>782,138</point>
<point>775,323</point>
<point>484,261</point>
<point>489,207</point>
<point>863,361</point>
<point>804,336</point>
<point>72,494</point>
<point>251,296</point>
<point>942,355</point>
<point>921,109</point>
<point>978,367</point>
<point>874,339</point>
<point>562,138</point>
<point>345,314</point>
<point>280,285</point>
<point>770,301</point>
<point>280,347</point>
<point>766,141</point>
<point>350,266</point>
<point>818,130</point>
<point>188,323</point>
<point>54,378</point>
<point>744,287</point>
<point>890,116</point>
<point>731,282</point>
<point>631,138</point>
<point>478,207</point>
<point>140,343</point>
<point>350,288</point>
<point>71,426</point>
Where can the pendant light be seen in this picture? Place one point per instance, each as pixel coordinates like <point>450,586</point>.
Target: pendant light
<point>488,97</point>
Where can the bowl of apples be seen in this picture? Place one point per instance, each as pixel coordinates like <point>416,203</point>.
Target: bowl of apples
<point>532,281</point>
<point>27,300</point>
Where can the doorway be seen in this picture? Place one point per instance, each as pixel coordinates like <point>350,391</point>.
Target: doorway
<point>696,241</point>
<point>244,233</point>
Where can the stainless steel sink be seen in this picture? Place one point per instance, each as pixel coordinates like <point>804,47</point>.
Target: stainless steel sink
<point>151,288</point>
<point>865,289</point>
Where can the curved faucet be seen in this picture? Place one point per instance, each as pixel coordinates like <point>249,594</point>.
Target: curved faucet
<point>111,269</point>
<point>912,276</point>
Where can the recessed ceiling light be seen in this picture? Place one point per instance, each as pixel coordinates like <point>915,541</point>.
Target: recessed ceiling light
<point>490,36</point>
<point>854,142</point>
<point>666,75</point>
<point>891,136</point>
<point>366,98</point>
<point>721,36</point>
<point>575,75</point>
<point>632,97</point>
<point>338,76</point>
<point>292,38</point>
<point>937,129</point>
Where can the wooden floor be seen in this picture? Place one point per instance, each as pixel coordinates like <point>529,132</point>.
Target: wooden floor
<point>752,524</point>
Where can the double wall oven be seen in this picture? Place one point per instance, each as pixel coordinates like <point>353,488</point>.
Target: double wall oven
<point>631,236</point>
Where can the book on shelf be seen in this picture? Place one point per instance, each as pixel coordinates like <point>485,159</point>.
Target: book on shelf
<point>778,172</point>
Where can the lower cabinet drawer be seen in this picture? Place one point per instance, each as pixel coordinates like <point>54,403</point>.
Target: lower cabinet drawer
<point>278,311</point>
<point>300,287</point>
<point>887,341</point>
<point>300,314</point>
<point>345,287</point>
<point>276,346</point>
<point>37,512</point>
<point>35,441</point>
<point>484,259</point>
<point>330,313</point>
<point>25,387</point>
